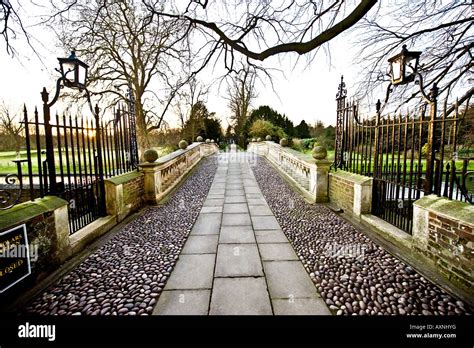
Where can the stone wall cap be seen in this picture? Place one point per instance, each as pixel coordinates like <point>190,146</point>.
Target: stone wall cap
<point>170,156</point>
<point>123,178</point>
<point>23,212</point>
<point>455,210</point>
<point>355,178</point>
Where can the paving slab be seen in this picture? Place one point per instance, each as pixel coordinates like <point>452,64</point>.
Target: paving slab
<point>252,189</point>
<point>236,235</point>
<point>217,191</point>
<point>240,296</point>
<point>236,219</point>
<point>216,209</point>
<point>300,306</point>
<point>192,272</point>
<point>235,199</point>
<point>256,201</point>
<point>209,223</point>
<point>234,192</point>
<point>254,196</point>
<point>183,302</point>
<point>265,223</point>
<point>232,208</point>
<point>260,210</point>
<point>213,202</point>
<point>201,244</point>
<point>277,252</point>
<point>238,260</point>
<point>288,279</point>
<point>270,236</point>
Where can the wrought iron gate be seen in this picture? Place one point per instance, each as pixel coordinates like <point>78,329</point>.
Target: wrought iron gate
<point>408,156</point>
<point>73,156</point>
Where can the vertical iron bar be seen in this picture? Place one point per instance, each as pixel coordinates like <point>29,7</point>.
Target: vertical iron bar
<point>428,185</point>
<point>121,141</point>
<point>79,193</point>
<point>38,153</point>
<point>102,209</point>
<point>60,154</point>
<point>397,191</point>
<point>404,182</point>
<point>453,163</point>
<point>28,152</point>
<point>419,185</point>
<point>49,143</point>
<point>90,187</point>
<point>75,208</point>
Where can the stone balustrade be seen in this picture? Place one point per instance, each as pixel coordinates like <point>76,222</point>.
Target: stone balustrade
<point>163,175</point>
<point>310,176</point>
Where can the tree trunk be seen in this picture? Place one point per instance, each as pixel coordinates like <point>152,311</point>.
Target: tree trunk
<point>143,141</point>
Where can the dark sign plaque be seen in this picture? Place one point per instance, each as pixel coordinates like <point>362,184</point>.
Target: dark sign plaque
<point>14,257</point>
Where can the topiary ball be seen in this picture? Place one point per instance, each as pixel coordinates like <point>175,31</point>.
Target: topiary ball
<point>284,142</point>
<point>183,144</point>
<point>200,139</point>
<point>150,155</point>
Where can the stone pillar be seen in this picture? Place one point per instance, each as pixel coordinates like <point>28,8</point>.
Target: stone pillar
<point>362,197</point>
<point>152,181</point>
<point>319,180</point>
<point>420,231</point>
<point>113,197</point>
<point>62,248</point>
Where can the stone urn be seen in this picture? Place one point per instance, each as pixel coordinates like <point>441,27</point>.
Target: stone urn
<point>268,138</point>
<point>319,152</point>
<point>208,140</point>
<point>259,139</point>
<point>200,139</point>
<point>283,142</point>
<point>183,144</point>
<point>150,155</point>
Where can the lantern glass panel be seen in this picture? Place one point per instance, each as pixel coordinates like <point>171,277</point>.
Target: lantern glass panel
<point>68,68</point>
<point>396,70</point>
<point>82,74</point>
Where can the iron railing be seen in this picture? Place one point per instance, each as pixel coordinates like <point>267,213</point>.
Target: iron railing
<point>408,156</point>
<point>70,157</point>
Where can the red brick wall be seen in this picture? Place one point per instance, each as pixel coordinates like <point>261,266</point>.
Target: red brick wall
<point>341,192</point>
<point>450,245</point>
<point>134,192</point>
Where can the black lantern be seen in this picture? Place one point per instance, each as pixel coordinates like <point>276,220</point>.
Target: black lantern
<point>400,63</point>
<point>73,71</point>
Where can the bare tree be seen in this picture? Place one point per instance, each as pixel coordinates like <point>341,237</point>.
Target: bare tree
<point>240,94</point>
<point>261,29</point>
<point>10,126</point>
<point>188,96</point>
<point>442,30</point>
<point>11,25</point>
<point>127,48</point>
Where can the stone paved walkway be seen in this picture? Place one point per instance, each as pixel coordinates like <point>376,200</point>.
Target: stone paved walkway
<point>237,259</point>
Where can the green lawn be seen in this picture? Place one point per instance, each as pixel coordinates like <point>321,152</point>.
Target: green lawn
<point>388,159</point>
<point>9,167</point>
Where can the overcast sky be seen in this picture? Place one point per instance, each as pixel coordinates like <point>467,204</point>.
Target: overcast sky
<point>302,91</point>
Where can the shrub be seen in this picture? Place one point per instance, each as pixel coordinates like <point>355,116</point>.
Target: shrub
<point>262,128</point>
